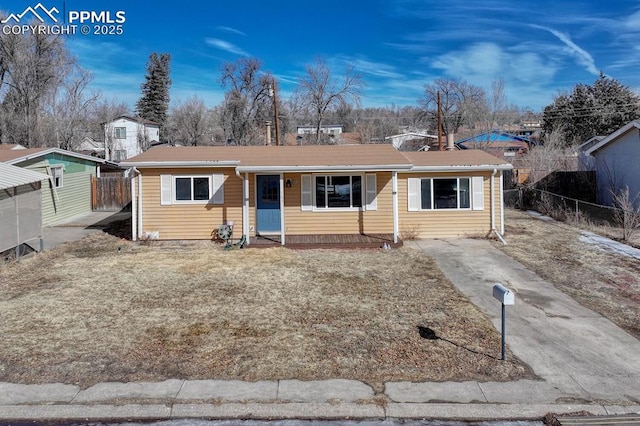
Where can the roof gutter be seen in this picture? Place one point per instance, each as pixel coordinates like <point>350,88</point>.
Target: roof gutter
<point>317,168</point>
<point>483,167</point>
<point>177,164</point>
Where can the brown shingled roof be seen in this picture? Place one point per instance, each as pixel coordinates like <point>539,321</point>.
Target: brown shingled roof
<point>273,156</point>
<point>468,157</point>
<point>12,154</point>
<point>320,156</point>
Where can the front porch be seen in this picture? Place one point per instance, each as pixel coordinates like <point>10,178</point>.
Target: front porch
<point>348,241</point>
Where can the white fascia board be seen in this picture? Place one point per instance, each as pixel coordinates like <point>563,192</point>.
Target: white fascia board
<point>55,151</point>
<point>178,164</point>
<point>479,168</point>
<point>341,168</point>
<point>613,136</point>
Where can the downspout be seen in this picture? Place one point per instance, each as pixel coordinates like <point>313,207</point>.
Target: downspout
<point>245,205</point>
<point>492,208</point>
<point>394,195</point>
<point>139,201</point>
<point>134,211</point>
<point>501,202</point>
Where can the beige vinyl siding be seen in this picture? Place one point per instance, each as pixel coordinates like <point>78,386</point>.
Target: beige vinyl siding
<point>298,222</point>
<point>190,221</point>
<point>447,223</point>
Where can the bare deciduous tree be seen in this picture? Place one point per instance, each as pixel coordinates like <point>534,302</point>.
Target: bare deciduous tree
<point>189,122</point>
<point>69,111</point>
<point>32,67</point>
<point>461,103</point>
<point>246,104</point>
<point>627,213</point>
<point>320,92</point>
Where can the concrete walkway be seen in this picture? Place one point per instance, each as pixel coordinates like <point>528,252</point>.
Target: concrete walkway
<point>79,227</point>
<point>584,361</point>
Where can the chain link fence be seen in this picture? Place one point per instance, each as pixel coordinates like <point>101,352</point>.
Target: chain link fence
<point>558,206</point>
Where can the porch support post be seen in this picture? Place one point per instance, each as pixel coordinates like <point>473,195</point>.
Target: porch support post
<point>245,207</point>
<point>501,202</point>
<point>139,204</point>
<point>282,208</point>
<point>134,211</point>
<point>394,194</point>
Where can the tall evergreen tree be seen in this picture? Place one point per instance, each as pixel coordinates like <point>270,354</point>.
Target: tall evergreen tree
<point>154,102</point>
<point>596,110</point>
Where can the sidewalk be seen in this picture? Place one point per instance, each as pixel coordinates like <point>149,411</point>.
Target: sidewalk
<point>584,361</point>
<point>79,227</point>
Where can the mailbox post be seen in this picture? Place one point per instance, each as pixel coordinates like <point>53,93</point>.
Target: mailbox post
<point>506,297</point>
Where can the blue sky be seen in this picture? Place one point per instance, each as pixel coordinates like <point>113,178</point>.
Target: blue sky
<point>537,47</point>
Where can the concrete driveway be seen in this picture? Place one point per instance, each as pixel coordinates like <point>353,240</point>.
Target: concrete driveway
<point>79,227</point>
<point>579,355</point>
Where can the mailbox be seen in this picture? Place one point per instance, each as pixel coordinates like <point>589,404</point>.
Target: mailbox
<point>503,294</point>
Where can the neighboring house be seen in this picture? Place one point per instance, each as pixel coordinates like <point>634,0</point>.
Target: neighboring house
<point>127,136</point>
<point>329,129</point>
<point>616,158</point>
<point>186,192</point>
<point>501,144</point>
<point>11,146</point>
<point>90,146</point>
<point>68,191</point>
<point>414,138</point>
<point>20,207</point>
<point>585,161</point>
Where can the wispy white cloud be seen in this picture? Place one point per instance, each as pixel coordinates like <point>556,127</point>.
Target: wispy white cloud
<point>226,46</point>
<point>632,22</point>
<point>376,69</point>
<point>583,57</point>
<point>231,30</point>
<point>528,75</point>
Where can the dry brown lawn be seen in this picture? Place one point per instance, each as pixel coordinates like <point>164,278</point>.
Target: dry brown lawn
<point>605,282</point>
<point>105,309</point>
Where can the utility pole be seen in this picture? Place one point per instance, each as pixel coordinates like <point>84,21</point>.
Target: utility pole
<point>275,112</point>
<point>440,146</point>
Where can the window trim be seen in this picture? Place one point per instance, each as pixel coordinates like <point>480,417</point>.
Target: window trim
<point>174,178</point>
<point>363,199</point>
<point>215,188</point>
<point>115,132</point>
<point>433,208</point>
<point>55,169</point>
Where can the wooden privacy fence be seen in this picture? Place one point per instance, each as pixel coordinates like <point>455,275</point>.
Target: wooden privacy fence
<point>110,193</point>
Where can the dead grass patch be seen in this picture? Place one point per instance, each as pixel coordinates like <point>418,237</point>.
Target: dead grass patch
<point>605,282</point>
<point>104,309</point>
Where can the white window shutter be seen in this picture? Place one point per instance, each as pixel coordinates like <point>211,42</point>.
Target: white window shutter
<point>306,199</point>
<point>413,192</point>
<point>218,189</point>
<point>372,192</point>
<point>165,190</point>
<point>477,185</point>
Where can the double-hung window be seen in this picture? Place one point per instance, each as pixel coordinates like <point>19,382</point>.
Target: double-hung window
<point>460,193</point>
<point>120,132</point>
<point>338,192</point>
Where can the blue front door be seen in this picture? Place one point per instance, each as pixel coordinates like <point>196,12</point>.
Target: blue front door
<point>268,205</point>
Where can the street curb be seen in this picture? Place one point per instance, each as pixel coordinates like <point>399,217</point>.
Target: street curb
<point>310,411</point>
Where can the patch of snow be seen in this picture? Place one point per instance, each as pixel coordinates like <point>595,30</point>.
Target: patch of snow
<point>609,245</point>
<point>540,216</point>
